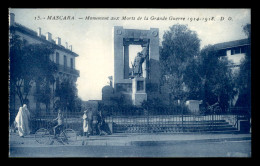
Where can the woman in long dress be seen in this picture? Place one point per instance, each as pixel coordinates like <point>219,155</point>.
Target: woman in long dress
<point>22,121</point>
<point>85,124</point>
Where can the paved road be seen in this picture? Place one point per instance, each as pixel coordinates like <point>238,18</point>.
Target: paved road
<point>208,149</point>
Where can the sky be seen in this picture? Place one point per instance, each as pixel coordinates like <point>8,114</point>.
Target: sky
<point>92,39</point>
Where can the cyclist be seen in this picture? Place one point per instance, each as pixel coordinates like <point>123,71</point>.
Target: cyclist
<point>59,119</point>
<point>211,107</point>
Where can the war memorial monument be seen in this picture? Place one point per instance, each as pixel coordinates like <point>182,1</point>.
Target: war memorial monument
<point>141,82</point>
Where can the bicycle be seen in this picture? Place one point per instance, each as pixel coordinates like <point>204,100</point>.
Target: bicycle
<point>214,108</point>
<point>46,135</point>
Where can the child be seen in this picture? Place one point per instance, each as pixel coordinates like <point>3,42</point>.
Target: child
<point>60,122</point>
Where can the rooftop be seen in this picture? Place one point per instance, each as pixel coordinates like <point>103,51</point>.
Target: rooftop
<point>231,44</point>
<point>33,33</point>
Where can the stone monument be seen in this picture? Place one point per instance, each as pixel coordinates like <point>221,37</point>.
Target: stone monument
<point>143,82</point>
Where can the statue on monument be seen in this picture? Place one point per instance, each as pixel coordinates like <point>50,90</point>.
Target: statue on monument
<point>138,61</point>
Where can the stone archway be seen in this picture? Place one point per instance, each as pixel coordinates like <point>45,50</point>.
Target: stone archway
<point>148,39</point>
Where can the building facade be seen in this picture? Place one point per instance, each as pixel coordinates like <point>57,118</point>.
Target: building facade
<point>63,57</point>
<point>235,51</point>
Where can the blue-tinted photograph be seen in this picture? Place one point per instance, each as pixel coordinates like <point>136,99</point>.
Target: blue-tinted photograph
<point>129,83</point>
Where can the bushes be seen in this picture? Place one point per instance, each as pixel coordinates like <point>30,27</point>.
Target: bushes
<point>122,110</point>
<point>154,107</point>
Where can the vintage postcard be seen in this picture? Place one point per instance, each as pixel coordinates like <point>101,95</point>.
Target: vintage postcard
<point>101,82</point>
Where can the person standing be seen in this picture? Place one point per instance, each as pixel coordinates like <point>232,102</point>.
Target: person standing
<point>90,120</point>
<point>22,121</point>
<point>99,122</point>
<point>28,116</point>
<point>85,124</point>
<point>102,126</point>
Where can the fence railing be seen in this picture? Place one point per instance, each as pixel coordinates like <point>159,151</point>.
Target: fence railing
<point>169,123</point>
<point>71,120</point>
<point>149,123</point>
<point>173,123</point>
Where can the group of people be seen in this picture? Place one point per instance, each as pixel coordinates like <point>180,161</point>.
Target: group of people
<point>22,122</point>
<point>101,126</point>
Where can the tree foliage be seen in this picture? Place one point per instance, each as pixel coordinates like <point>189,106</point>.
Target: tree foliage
<point>244,74</point>
<point>179,46</point>
<point>193,74</point>
<point>67,94</point>
<point>29,64</point>
<point>216,77</point>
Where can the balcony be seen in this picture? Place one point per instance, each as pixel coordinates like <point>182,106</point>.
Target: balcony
<point>67,70</point>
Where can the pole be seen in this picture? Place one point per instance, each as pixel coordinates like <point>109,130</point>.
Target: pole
<point>182,119</point>
<point>148,125</point>
<point>112,114</point>
<point>66,116</point>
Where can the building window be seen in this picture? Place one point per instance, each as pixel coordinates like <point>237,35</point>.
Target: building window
<point>232,51</point>
<point>71,63</point>
<point>65,61</point>
<point>237,50</point>
<point>57,58</point>
<point>52,57</point>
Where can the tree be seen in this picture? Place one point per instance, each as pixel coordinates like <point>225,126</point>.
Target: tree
<point>216,77</point>
<point>29,65</point>
<point>194,79</point>
<point>67,94</point>
<point>44,93</point>
<point>179,47</point>
<point>17,72</point>
<point>244,74</point>
<point>247,30</point>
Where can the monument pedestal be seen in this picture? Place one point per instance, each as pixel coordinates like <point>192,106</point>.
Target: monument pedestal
<point>138,91</point>
<point>138,98</point>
